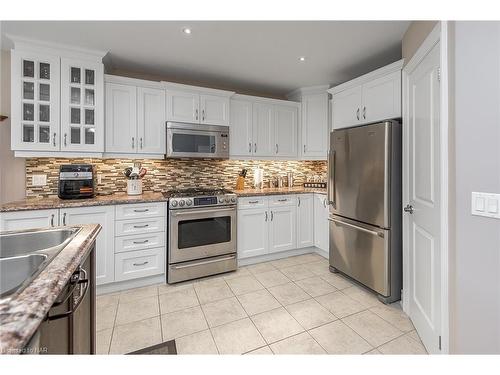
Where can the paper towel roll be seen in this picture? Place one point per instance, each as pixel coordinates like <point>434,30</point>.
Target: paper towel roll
<point>258,178</point>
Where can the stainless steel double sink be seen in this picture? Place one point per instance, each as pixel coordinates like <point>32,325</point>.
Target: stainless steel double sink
<point>24,254</point>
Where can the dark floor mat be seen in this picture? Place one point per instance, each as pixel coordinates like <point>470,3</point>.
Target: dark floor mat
<point>167,347</point>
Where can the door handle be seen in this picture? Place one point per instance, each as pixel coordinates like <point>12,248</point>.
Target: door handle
<point>409,208</point>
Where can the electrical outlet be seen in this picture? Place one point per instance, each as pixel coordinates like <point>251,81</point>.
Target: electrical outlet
<point>39,180</point>
<point>99,178</point>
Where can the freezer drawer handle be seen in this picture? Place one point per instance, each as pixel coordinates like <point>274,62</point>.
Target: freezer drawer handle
<point>203,263</point>
<point>380,234</point>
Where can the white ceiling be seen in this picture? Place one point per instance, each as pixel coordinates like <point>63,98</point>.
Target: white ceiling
<point>258,56</point>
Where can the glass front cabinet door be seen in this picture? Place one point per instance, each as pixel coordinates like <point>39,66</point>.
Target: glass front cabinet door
<point>35,102</point>
<point>82,106</point>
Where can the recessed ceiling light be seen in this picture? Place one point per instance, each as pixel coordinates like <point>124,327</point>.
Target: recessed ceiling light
<point>186,30</point>
<point>302,58</point>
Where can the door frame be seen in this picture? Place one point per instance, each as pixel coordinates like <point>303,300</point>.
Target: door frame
<point>438,35</point>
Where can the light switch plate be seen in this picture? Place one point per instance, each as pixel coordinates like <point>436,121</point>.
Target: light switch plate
<point>485,204</point>
<point>39,180</point>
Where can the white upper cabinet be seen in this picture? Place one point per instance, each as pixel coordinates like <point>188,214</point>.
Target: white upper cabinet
<point>135,117</point>
<point>313,143</point>
<point>347,107</point>
<point>198,105</point>
<point>57,100</point>
<point>82,106</point>
<point>214,110</point>
<point>240,130</point>
<point>382,98</point>
<point>121,118</point>
<point>35,101</point>
<point>151,128</point>
<point>263,129</point>
<point>183,106</point>
<point>285,131</point>
<point>372,97</point>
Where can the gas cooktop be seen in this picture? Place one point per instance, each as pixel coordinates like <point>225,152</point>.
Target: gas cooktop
<point>196,197</point>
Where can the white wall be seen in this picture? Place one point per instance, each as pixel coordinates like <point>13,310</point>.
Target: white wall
<point>475,138</point>
<point>12,170</point>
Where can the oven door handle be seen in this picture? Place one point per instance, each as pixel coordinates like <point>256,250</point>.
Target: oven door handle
<point>191,211</point>
<point>203,263</point>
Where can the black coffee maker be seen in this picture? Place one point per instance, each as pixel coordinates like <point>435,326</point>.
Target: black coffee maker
<point>76,181</point>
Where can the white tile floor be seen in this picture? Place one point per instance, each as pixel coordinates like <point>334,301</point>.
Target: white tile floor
<point>288,306</point>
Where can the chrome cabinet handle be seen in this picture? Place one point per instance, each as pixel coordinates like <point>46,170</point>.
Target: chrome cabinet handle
<point>364,113</point>
<point>203,115</point>
<point>140,264</point>
<point>298,200</point>
<point>272,216</point>
<point>140,242</point>
<point>255,147</point>
<point>282,200</point>
<point>304,149</point>
<point>133,142</point>
<point>196,114</point>
<point>276,148</point>
<point>140,141</point>
<point>64,218</point>
<point>409,208</point>
<point>249,147</point>
<point>141,226</point>
<point>324,202</point>
<point>266,216</point>
<point>357,114</point>
<point>54,139</point>
<point>52,220</point>
<point>145,210</point>
<point>253,202</point>
<point>65,139</point>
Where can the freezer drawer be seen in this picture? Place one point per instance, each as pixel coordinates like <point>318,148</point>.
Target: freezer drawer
<point>362,252</point>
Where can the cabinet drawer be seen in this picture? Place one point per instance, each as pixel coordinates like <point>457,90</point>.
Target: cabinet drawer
<point>139,226</point>
<point>252,202</point>
<point>282,200</point>
<point>135,264</point>
<point>140,210</point>
<point>139,241</point>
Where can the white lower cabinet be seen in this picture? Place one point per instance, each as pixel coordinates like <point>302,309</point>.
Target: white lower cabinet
<point>20,220</point>
<point>305,220</point>
<point>282,234</point>
<point>104,249</point>
<point>253,232</point>
<point>142,263</point>
<point>321,237</point>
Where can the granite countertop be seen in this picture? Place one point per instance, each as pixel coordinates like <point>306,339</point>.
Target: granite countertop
<point>22,313</point>
<point>278,191</point>
<point>99,200</point>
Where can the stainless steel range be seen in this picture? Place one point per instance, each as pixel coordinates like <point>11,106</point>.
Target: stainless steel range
<point>201,233</point>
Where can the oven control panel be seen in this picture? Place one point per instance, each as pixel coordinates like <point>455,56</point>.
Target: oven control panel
<point>220,200</point>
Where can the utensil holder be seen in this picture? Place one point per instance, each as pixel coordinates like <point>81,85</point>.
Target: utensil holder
<point>134,187</point>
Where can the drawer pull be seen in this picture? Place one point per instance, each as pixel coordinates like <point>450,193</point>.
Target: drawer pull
<point>253,202</point>
<point>141,242</point>
<point>140,264</point>
<point>282,200</point>
<point>145,210</point>
<point>141,226</point>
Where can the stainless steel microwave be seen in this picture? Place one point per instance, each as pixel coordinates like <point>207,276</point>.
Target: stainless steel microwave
<point>186,140</point>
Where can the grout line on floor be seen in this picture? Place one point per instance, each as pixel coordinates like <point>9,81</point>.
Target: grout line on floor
<point>206,321</point>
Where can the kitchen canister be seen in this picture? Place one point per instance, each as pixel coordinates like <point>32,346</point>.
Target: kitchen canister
<point>134,187</point>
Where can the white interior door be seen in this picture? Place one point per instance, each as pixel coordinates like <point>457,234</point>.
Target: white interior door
<point>423,225</point>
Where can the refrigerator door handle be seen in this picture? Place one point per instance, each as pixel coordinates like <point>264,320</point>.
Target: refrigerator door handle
<point>380,234</point>
<point>331,178</point>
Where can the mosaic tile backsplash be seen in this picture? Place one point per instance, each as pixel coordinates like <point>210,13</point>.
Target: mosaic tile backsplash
<point>163,175</point>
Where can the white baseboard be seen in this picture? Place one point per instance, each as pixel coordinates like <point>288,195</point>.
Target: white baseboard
<point>322,252</point>
<point>275,256</point>
<point>130,284</point>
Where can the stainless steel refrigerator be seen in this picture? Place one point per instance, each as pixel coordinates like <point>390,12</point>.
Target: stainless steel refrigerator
<point>364,193</point>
